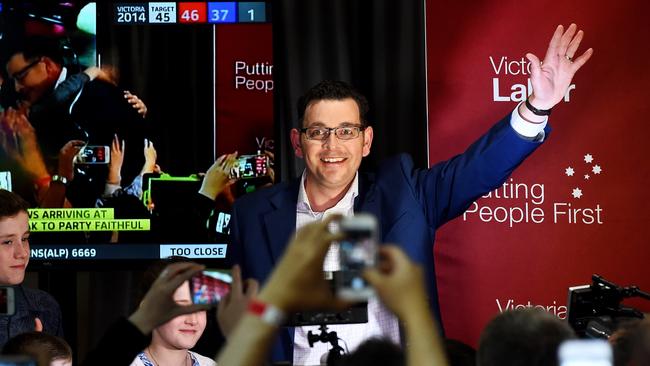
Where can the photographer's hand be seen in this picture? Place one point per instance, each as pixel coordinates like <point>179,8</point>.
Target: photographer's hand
<point>232,307</point>
<point>400,285</point>
<point>66,158</point>
<point>297,283</point>
<point>158,305</point>
<point>217,178</point>
<point>20,143</point>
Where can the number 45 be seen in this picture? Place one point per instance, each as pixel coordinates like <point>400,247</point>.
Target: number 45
<point>162,17</point>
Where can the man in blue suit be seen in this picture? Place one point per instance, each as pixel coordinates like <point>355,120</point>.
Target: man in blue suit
<point>410,203</point>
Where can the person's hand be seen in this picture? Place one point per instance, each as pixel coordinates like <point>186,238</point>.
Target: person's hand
<point>18,139</point>
<point>398,281</point>
<point>136,103</point>
<point>217,178</point>
<point>150,156</point>
<point>271,169</point>
<point>66,158</point>
<point>551,78</point>
<point>106,73</point>
<point>117,159</point>
<point>234,305</point>
<point>158,305</point>
<point>297,283</point>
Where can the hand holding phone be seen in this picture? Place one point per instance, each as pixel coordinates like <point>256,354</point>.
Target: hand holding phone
<point>357,251</point>
<point>93,155</point>
<point>250,166</point>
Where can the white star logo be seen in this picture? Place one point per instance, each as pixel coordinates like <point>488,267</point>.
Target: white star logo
<point>587,177</point>
<point>569,171</point>
<point>589,158</point>
<point>596,169</point>
<point>577,193</point>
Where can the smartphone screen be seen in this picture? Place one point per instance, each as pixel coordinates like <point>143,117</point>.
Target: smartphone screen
<point>210,286</point>
<point>93,155</point>
<point>17,360</point>
<point>250,166</point>
<point>7,301</point>
<point>357,251</point>
<point>585,352</point>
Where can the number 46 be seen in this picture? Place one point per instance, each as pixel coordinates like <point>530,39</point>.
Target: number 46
<point>192,15</point>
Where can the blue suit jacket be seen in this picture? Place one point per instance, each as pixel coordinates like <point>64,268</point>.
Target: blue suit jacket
<point>410,204</point>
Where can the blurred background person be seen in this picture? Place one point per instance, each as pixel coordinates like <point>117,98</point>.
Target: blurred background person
<point>41,346</point>
<point>528,336</point>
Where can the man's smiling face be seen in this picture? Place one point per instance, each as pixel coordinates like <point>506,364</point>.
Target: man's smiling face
<point>332,163</point>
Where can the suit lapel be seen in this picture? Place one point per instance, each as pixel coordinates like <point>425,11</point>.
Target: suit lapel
<point>367,200</point>
<point>280,223</point>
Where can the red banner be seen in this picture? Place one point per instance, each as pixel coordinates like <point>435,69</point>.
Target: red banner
<point>579,204</point>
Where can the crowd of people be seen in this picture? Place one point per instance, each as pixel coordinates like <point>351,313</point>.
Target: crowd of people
<point>167,325</point>
<point>281,237</point>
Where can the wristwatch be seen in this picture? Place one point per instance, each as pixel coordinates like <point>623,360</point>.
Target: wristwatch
<point>59,179</point>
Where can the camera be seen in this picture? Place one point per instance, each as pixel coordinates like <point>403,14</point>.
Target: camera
<point>93,155</point>
<point>357,251</point>
<point>594,311</point>
<point>250,166</point>
<point>7,301</point>
<point>210,286</point>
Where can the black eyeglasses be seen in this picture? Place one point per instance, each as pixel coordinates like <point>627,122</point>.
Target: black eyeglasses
<point>20,75</point>
<point>323,133</point>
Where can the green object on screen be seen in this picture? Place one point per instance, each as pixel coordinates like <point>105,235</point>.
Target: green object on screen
<point>87,19</point>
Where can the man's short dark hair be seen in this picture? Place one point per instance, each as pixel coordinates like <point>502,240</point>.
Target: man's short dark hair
<point>522,337</point>
<point>11,204</point>
<point>37,345</point>
<point>332,90</point>
<point>37,46</point>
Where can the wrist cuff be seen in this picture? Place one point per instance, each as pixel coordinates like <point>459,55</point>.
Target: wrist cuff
<point>267,313</point>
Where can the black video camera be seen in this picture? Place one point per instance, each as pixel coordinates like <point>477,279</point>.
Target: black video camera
<point>594,311</point>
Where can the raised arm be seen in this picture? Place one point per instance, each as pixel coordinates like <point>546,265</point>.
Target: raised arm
<point>552,77</point>
<point>297,283</point>
<point>400,285</point>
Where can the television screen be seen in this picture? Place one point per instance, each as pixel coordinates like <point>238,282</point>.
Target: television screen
<point>113,158</point>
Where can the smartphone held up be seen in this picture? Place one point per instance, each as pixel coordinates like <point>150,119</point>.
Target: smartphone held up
<point>210,286</point>
<point>93,155</point>
<point>357,251</point>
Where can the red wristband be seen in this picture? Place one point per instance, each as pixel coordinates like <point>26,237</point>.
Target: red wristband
<point>268,313</point>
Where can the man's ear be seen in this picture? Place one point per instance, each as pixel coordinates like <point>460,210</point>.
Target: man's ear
<point>50,66</point>
<point>367,140</point>
<point>296,143</point>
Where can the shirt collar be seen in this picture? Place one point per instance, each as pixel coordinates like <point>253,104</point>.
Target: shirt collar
<point>346,202</point>
<point>62,77</point>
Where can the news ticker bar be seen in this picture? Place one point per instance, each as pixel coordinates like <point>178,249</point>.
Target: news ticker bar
<point>190,12</point>
<point>126,251</point>
<point>82,219</point>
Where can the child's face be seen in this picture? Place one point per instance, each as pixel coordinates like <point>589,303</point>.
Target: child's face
<point>14,248</point>
<point>61,362</point>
